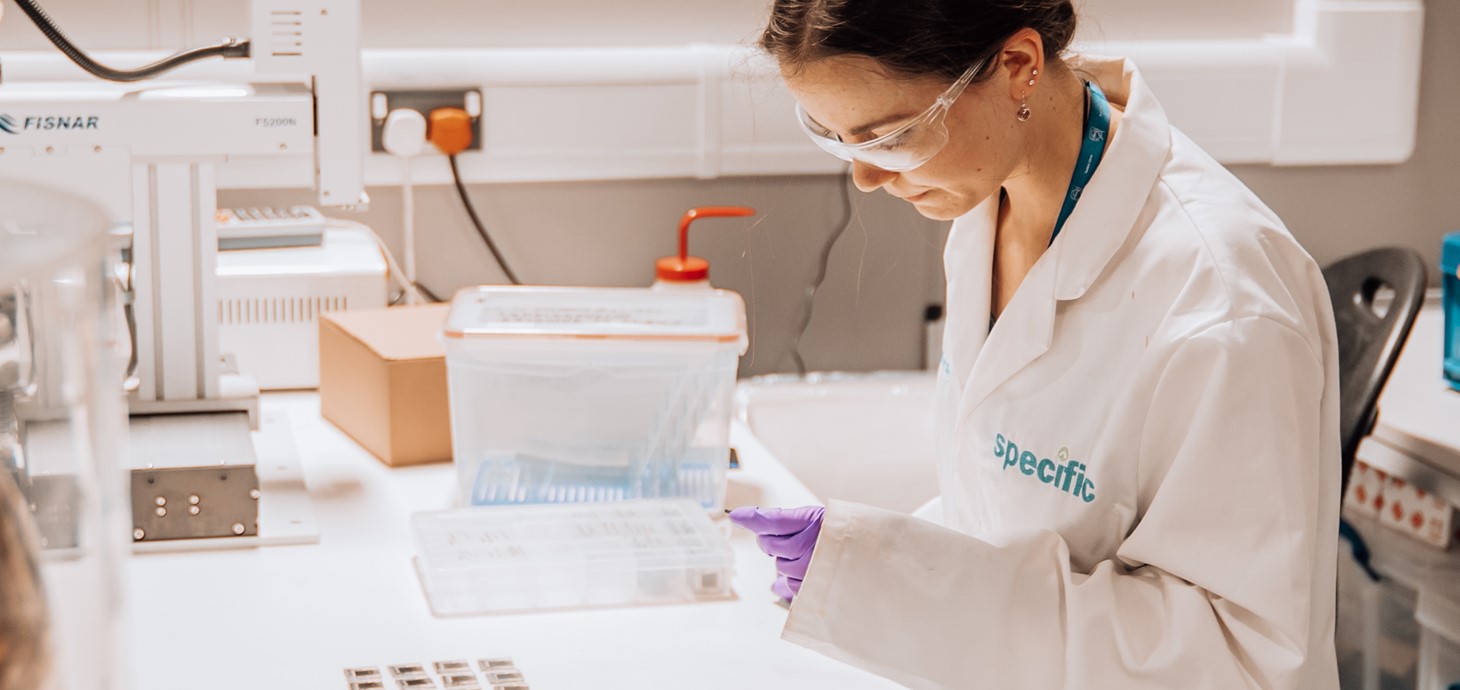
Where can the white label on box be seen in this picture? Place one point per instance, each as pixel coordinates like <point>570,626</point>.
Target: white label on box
<point>1416,512</point>
<point>1399,505</point>
<point>1363,487</point>
<point>681,317</point>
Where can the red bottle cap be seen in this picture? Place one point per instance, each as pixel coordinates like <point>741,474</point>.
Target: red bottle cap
<point>685,268</point>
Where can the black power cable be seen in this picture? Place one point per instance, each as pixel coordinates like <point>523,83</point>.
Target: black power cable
<point>231,49</point>
<point>477,222</point>
<point>821,268</point>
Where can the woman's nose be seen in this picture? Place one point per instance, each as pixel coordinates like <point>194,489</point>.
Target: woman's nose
<point>869,178</point>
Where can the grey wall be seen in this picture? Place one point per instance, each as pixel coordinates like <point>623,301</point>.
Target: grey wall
<point>883,271</point>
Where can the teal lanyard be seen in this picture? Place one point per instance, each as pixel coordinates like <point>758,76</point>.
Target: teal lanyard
<point>1097,125</point>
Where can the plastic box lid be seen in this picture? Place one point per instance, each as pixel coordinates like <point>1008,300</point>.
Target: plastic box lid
<point>518,558</point>
<point>715,316</point>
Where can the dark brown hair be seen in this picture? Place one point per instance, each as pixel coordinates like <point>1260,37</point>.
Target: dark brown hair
<point>911,37</point>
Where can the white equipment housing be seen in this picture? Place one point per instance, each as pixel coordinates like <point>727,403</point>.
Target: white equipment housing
<point>270,301</point>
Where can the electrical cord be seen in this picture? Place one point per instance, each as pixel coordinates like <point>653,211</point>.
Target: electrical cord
<point>233,48</point>
<point>429,295</point>
<point>408,199</point>
<point>404,136</point>
<point>477,222</point>
<point>821,269</point>
<point>392,267</point>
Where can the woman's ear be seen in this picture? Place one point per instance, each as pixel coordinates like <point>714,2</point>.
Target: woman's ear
<point>1023,62</point>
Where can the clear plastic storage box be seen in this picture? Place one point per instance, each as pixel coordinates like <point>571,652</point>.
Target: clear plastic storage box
<point>1439,638</point>
<point>1377,636</point>
<point>521,558</point>
<point>1401,632</point>
<point>564,395</point>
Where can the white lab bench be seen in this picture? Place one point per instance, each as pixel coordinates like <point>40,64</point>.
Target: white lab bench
<point>1418,439</point>
<point>287,617</point>
<point>1419,415</point>
<point>293,617</point>
<point>1418,432</point>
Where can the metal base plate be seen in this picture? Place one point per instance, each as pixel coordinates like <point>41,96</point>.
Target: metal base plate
<point>195,502</point>
<point>286,515</point>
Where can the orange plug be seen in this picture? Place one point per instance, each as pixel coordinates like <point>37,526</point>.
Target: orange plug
<point>449,129</point>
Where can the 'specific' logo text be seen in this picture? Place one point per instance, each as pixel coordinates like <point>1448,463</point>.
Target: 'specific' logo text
<point>1066,476</point>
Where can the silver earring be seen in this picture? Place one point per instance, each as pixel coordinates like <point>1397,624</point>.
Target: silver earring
<point>1035,74</point>
<point>1023,112</point>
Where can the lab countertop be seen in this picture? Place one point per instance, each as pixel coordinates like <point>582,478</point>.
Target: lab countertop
<point>293,617</point>
<point>1419,415</point>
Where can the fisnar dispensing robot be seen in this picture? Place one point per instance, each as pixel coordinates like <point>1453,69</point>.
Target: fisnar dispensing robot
<point>147,148</point>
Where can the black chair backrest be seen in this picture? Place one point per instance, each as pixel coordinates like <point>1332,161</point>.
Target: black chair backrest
<point>1370,336</point>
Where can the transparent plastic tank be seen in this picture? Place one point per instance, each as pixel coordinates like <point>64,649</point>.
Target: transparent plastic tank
<point>63,508</point>
<point>574,395</point>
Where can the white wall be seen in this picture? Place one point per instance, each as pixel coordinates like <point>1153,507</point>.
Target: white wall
<point>115,24</point>
<point>673,22</point>
<point>1183,20</point>
<point>1252,81</point>
<point>887,269</point>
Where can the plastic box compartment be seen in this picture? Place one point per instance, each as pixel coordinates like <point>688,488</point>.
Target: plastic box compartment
<point>1439,639</point>
<point>563,395</point>
<point>523,558</point>
<point>1377,634</point>
<point>1450,289</point>
<point>1402,632</point>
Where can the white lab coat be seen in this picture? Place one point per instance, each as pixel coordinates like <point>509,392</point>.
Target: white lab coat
<point>1139,465</point>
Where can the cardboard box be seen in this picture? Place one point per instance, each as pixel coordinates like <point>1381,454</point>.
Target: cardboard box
<point>382,381</point>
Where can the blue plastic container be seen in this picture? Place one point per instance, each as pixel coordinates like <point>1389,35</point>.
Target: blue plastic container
<point>1450,282</point>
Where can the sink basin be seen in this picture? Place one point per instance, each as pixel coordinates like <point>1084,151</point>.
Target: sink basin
<point>866,438</point>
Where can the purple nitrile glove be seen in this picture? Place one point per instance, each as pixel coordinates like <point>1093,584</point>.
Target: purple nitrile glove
<point>790,535</point>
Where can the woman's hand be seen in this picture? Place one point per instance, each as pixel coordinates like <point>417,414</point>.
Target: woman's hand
<point>790,535</point>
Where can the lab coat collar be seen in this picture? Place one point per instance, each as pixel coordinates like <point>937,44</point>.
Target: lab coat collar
<point>1117,193</point>
<point>1094,232</point>
<point>1022,334</point>
<point>968,265</point>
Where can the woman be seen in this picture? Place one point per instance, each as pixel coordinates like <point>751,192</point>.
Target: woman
<point>1138,445</point>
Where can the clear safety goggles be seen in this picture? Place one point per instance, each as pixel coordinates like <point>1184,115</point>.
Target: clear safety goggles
<point>905,148</point>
